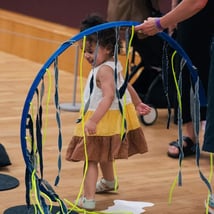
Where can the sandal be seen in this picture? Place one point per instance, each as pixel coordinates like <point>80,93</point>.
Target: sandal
<point>104,186</point>
<point>88,204</point>
<point>188,150</point>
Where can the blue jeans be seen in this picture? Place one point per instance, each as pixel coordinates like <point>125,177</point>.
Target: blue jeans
<point>208,144</point>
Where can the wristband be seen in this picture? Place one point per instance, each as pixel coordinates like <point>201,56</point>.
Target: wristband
<point>158,24</point>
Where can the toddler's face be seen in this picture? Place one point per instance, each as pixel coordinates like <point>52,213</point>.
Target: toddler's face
<point>95,55</point>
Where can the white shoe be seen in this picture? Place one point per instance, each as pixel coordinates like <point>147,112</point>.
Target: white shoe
<point>103,186</point>
<point>210,204</point>
<point>88,204</point>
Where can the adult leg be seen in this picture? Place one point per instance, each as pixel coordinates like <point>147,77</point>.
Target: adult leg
<point>188,131</point>
<point>208,144</point>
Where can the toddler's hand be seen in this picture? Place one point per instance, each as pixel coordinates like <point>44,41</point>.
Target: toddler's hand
<point>90,127</point>
<point>143,109</point>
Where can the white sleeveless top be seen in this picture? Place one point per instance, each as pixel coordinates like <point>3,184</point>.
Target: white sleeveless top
<point>96,95</point>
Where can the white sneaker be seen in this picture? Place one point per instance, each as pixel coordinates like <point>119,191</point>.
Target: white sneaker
<point>103,186</point>
<point>88,204</point>
<point>210,204</point>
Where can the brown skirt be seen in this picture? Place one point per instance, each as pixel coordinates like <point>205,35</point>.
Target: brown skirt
<point>108,148</point>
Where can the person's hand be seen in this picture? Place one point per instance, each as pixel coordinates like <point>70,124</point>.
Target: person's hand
<point>90,127</point>
<point>148,27</point>
<point>143,109</point>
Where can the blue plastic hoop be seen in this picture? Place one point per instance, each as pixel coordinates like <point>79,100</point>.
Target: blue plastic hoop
<point>70,42</point>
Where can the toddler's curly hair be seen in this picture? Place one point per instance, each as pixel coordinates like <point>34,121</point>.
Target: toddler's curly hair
<point>106,38</point>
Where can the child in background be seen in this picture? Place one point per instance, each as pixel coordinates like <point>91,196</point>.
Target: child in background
<point>103,119</point>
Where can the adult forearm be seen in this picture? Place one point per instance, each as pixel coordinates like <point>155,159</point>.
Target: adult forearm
<point>182,11</point>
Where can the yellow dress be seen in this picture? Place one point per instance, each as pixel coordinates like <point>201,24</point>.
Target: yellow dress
<point>107,144</point>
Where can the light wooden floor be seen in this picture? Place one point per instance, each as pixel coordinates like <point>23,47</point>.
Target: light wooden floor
<point>142,178</point>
